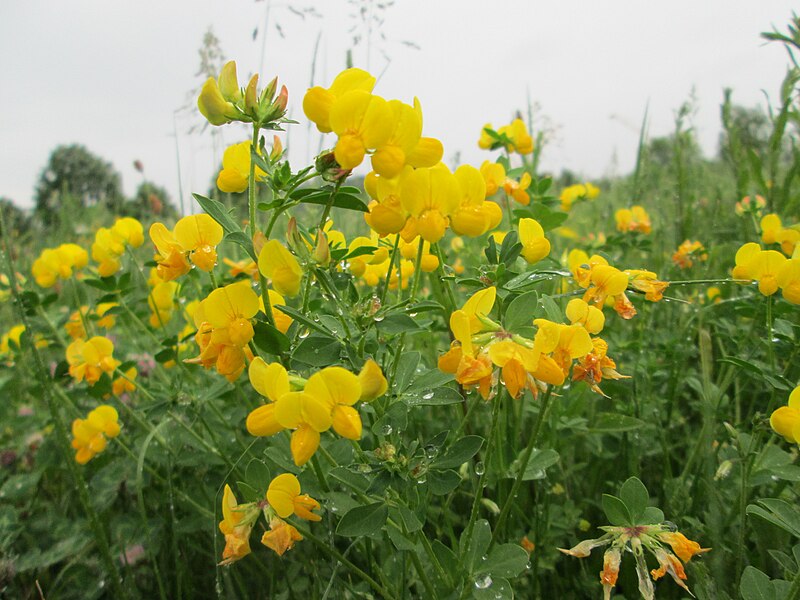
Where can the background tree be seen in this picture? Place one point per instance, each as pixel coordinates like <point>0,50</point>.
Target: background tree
<point>75,178</point>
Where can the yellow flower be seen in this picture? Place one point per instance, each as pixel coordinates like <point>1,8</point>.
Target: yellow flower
<point>518,190</point>
<point>386,213</point>
<point>236,168</point>
<point>229,310</point>
<point>89,359</point>
<point>199,235</point>
<point>216,100</point>
<point>494,176</point>
<point>236,525</point>
<point>788,279</point>
<point>285,499</point>
<point>280,537</point>
<point>318,101</point>
<point>689,252</point>
<point>194,235</point>
<point>681,545</point>
<point>89,435</point>
<point>122,385</point>
<point>13,335</point>
<point>162,303</point>
<point>282,320</point>
<point>535,246</point>
<point>647,282</point>
<point>109,244</point>
<point>430,196</point>
<point>58,263</point>
<point>272,382</point>
<point>770,228</point>
<point>281,267</point>
<point>633,219</point>
<point>785,421</point>
<point>362,122</point>
<point>582,313</point>
<point>475,216</point>
<point>391,156</point>
<point>373,383</point>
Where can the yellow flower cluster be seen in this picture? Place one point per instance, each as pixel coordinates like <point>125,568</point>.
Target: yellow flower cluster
<point>390,131</point>
<point>100,315</point>
<point>771,269</point>
<point>688,253</point>
<point>194,238</point>
<point>310,407</point>
<point>89,359</point>
<point>109,244</point>
<point>494,175</point>
<point>236,168</point>
<point>90,435</point>
<point>577,192</point>
<point>58,263</point>
<point>283,499</point>
<point>603,282</point>
<point>482,344</point>
<point>633,219</point>
<point>773,232</point>
<point>221,100</point>
<point>517,137</point>
<point>224,328</point>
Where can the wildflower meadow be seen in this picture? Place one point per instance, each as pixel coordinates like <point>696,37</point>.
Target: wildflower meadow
<point>437,380</point>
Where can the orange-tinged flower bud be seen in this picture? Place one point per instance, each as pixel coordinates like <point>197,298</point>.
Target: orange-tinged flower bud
<point>280,537</point>
<point>251,95</point>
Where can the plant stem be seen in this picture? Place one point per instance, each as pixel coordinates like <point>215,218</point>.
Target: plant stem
<point>523,465</point>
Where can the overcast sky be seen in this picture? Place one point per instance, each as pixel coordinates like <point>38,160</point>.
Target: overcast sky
<point>111,75</point>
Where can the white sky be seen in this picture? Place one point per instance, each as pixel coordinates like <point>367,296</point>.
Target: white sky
<point>110,75</point>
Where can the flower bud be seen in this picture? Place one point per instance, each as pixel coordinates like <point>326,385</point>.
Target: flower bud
<point>251,96</point>
<point>228,82</point>
<point>329,169</point>
<point>322,251</point>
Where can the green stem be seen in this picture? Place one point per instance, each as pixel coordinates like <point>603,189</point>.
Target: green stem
<point>523,465</point>
<point>332,552</point>
<point>389,271</point>
<point>251,183</point>
<point>482,478</point>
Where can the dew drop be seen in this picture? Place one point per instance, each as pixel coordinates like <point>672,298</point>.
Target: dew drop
<point>386,430</point>
<point>378,318</point>
<point>427,394</point>
<point>422,479</point>
<point>480,468</point>
<point>413,314</point>
<point>304,334</point>
<point>431,451</point>
<point>483,582</point>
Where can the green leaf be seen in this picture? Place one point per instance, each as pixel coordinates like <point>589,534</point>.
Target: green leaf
<point>405,516</point>
<point>257,475</point>
<point>433,378</point>
<point>521,311</point>
<point>243,240</point>
<point>317,351</point>
<point>755,585</point>
<point>364,520</point>
<point>499,589</point>
<point>248,492</point>
<point>441,483</point>
<point>634,495</point>
<point>539,462</point>
<point>612,422</point>
<point>459,453</point>
<point>510,249</point>
<point>269,339</point>
<point>551,310</point>
<point>406,367</point>
<point>477,546</point>
<point>505,560</point>
<point>397,323</point>
<point>217,211</point>
<point>616,511</point>
<point>439,396</point>
<point>652,515</point>
<point>779,513</point>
